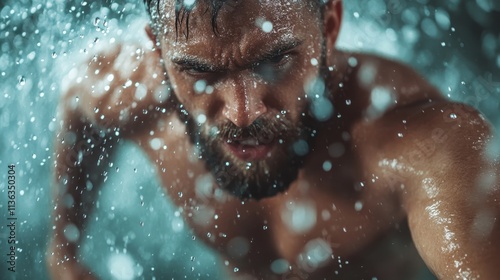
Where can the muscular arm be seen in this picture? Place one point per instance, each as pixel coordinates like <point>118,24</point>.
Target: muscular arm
<point>82,154</point>
<point>436,162</point>
<point>454,209</point>
<point>432,155</point>
<point>116,94</point>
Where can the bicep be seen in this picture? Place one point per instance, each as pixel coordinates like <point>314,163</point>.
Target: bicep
<point>453,204</point>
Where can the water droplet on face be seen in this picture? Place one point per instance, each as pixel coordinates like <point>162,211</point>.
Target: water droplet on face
<point>209,89</point>
<point>352,61</point>
<point>201,118</point>
<point>327,166</point>
<point>127,84</point>
<point>453,116</point>
<point>140,92</point>
<point>322,109</point>
<point>358,206</point>
<point>155,143</point>
<point>189,3</point>
<point>200,86</point>
<point>381,98</point>
<point>267,26</point>
<point>97,20</point>
<point>301,148</point>
<point>400,135</point>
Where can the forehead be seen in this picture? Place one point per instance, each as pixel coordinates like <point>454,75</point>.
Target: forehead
<point>246,22</point>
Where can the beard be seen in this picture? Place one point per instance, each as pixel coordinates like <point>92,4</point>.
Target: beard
<point>251,179</point>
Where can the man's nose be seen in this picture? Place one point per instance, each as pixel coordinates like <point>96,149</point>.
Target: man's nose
<point>243,102</point>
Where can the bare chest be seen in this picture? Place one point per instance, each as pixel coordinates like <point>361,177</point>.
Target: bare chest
<point>311,226</point>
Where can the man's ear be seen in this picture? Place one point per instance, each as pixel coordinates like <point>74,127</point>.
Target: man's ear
<point>332,18</point>
<point>152,37</point>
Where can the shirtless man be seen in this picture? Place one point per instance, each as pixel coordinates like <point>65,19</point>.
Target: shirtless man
<point>261,121</point>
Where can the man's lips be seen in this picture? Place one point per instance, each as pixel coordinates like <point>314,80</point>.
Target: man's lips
<point>249,149</point>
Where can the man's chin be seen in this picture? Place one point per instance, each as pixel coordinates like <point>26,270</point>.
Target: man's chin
<point>255,180</point>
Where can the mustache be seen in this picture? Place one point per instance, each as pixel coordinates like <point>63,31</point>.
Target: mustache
<point>263,130</point>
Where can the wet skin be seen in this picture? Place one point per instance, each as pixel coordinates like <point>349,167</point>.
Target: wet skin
<point>369,174</point>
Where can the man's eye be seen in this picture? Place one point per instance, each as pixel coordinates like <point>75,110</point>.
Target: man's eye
<point>272,69</point>
<point>196,71</point>
<point>278,59</point>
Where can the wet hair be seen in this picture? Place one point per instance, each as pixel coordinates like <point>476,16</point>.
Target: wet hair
<point>182,11</point>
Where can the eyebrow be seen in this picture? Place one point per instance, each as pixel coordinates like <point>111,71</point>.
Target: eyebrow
<point>191,61</point>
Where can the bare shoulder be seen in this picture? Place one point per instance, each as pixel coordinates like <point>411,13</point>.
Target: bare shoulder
<point>116,86</point>
<point>380,83</point>
<point>409,144</point>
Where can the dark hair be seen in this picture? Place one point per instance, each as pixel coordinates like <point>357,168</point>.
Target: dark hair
<point>182,12</point>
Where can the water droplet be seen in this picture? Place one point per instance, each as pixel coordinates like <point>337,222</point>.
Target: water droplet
<point>201,118</point>
<point>453,116</point>
<point>200,86</point>
<point>400,135</point>
<point>22,81</point>
<point>189,3</point>
<point>327,166</point>
<point>358,205</point>
<point>267,26</point>
<point>352,61</point>
<point>97,20</point>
